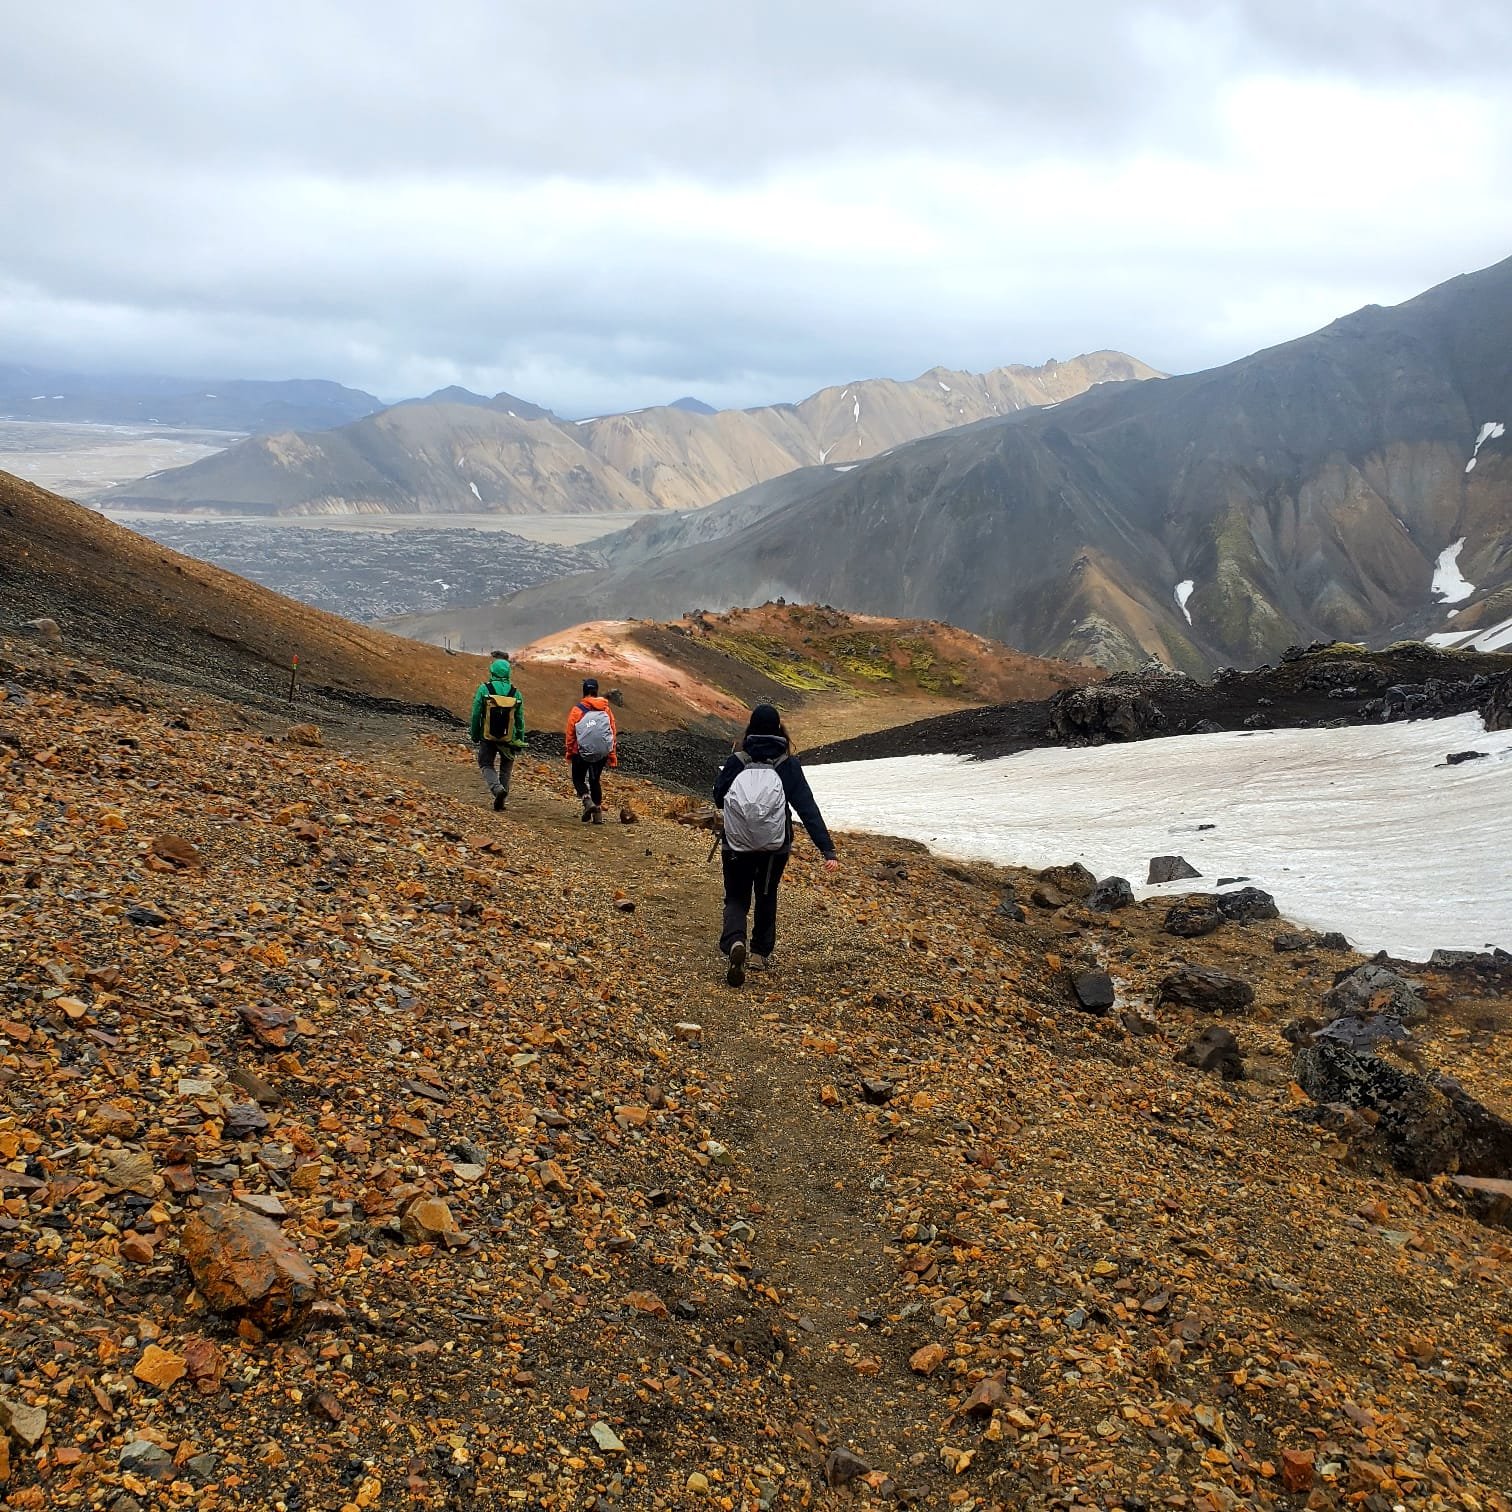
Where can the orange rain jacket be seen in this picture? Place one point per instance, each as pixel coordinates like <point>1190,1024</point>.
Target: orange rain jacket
<point>577,713</point>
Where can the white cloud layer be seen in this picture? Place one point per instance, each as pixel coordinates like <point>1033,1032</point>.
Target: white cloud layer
<point>613,205</point>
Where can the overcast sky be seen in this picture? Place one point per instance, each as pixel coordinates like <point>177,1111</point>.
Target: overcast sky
<point>599,206</point>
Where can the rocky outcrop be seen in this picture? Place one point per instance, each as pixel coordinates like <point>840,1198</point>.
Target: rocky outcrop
<point>1496,706</point>
<point>1094,716</point>
<point>1374,989</point>
<point>1427,1127</point>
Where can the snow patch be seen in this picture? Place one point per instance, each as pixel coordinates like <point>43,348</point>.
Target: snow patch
<point>476,494</point>
<point>1448,582</point>
<point>1183,593</point>
<point>1490,431</point>
<point>824,452</point>
<point>856,411</point>
<point>444,587</point>
<point>844,466</point>
<point>1360,829</point>
<point>944,386</point>
<point>1497,638</point>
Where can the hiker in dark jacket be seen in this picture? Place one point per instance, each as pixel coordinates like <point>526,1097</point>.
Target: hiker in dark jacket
<point>757,790</point>
<point>498,730</point>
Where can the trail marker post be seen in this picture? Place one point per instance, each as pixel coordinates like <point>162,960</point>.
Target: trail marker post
<point>293,675</point>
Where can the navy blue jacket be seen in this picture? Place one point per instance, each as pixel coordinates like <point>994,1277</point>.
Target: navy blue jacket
<point>800,796</point>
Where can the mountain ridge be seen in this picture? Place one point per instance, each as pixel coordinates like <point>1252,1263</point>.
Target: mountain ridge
<point>229,404</point>
<point>1308,491</point>
<point>467,454</point>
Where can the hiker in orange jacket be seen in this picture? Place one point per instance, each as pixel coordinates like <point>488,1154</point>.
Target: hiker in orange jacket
<point>592,744</point>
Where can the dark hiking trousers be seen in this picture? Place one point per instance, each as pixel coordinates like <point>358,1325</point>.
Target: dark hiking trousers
<point>491,753</point>
<point>588,778</point>
<point>745,873</point>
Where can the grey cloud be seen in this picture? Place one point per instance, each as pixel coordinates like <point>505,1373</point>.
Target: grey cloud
<point>620,203</point>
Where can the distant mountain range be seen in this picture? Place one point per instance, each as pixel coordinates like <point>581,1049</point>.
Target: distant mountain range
<point>231,404</point>
<point>1353,484</point>
<point>458,452</point>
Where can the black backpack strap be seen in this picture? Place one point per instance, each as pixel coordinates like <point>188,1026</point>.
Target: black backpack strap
<point>584,709</point>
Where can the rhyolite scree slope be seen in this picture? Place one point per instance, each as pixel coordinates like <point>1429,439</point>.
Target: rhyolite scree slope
<point>513,1202</point>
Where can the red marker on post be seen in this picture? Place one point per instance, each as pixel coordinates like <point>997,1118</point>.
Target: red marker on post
<point>293,674</point>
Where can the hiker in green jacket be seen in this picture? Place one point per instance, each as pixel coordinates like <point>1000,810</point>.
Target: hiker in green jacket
<point>498,729</point>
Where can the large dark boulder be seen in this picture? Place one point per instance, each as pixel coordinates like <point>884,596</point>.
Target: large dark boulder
<point>1194,916</point>
<point>1094,991</point>
<point>1247,905</point>
<point>1374,989</point>
<point>1170,869</point>
<point>1099,714</point>
<point>1110,894</point>
<point>1426,1127</point>
<point>1205,988</point>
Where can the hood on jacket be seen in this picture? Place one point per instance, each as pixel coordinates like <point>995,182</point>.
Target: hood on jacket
<point>765,747</point>
<point>498,670</point>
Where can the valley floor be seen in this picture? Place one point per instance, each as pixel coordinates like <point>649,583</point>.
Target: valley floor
<point>897,1222</point>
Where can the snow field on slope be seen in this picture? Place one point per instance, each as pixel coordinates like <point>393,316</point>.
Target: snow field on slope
<point>1448,581</point>
<point>1362,830</point>
<point>1497,638</point>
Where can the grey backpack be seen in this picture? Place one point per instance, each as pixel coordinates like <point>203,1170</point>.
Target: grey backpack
<point>755,808</point>
<point>595,735</point>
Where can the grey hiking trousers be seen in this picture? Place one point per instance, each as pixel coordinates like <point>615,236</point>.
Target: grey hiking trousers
<point>493,753</point>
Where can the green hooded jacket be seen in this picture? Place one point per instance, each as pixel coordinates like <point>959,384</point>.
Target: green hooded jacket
<point>498,682</point>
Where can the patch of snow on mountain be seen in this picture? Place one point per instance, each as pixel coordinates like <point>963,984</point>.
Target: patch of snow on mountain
<point>824,452</point>
<point>1362,829</point>
<point>844,466</point>
<point>1448,582</point>
<point>1183,593</point>
<point>476,494</point>
<point>1446,639</point>
<point>944,386</point>
<point>1490,431</point>
<point>1497,638</point>
<point>856,411</point>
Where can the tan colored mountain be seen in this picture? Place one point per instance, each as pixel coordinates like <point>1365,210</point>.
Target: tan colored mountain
<point>447,458</point>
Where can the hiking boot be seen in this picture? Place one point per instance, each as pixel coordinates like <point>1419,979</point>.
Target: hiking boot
<point>500,799</point>
<point>587,810</point>
<point>598,813</point>
<point>761,963</point>
<point>735,976</point>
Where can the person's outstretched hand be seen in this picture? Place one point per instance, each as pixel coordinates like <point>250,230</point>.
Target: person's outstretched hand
<point>832,865</point>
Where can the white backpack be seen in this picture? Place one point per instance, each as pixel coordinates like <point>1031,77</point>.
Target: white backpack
<point>756,808</point>
<point>595,735</point>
